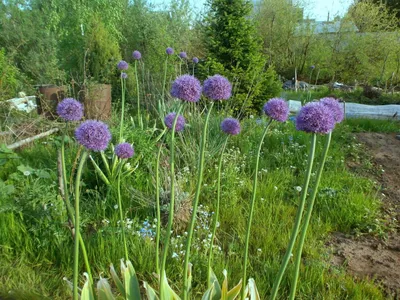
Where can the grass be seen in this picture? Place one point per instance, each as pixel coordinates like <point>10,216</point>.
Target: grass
<point>36,242</point>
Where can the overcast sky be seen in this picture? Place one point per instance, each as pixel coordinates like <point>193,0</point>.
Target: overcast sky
<point>317,9</point>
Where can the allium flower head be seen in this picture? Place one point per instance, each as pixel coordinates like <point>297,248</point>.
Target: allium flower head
<point>312,67</point>
<point>230,126</point>
<point>70,110</point>
<point>217,87</point>
<point>277,109</point>
<point>183,54</point>
<point>169,121</point>
<point>334,106</point>
<point>94,135</point>
<point>195,60</point>
<point>124,150</point>
<point>187,88</point>
<point>124,75</point>
<point>316,118</point>
<point>169,51</point>
<point>122,65</point>
<point>136,55</point>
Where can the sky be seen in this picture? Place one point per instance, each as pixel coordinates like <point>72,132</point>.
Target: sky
<point>315,9</point>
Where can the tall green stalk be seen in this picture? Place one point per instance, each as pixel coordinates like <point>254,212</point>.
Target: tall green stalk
<point>297,221</point>
<point>171,205</point>
<point>216,215</point>
<point>121,216</point>
<point>121,126</point>
<point>138,97</point>
<point>310,207</point>
<point>162,106</point>
<point>252,204</point>
<point>158,210</point>
<point>77,224</point>
<point>200,169</point>
<point>70,211</point>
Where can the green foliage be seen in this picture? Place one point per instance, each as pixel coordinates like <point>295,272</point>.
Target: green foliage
<point>234,51</point>
<point>102,51</point>
<point>9,77</point>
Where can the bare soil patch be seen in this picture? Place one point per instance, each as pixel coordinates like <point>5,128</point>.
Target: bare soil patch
<point>370,256</point>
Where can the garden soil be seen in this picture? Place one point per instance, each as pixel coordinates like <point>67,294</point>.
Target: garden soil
<point>370,256</point>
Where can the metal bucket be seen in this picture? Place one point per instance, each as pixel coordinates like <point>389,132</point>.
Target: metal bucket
<point>97,101</point>
<point>47,98</point>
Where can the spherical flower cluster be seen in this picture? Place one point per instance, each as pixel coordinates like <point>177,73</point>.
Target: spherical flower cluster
<point>334,106</point>
<point>169,51</point>
<point>93,135</point>
<point>316,118</point>
<point>122,65</point>
<point>195,60</point>
<point>183,54</point>
<point>169,121</point>
<point>70,110</point>
<point>217,87</point>
<point>230,126</point>
<point>312,67</point>
<point>124,150</point>
<point>277,109</point>
<point>136,55</point>
<point>187,88</point>
<point>124,75</point>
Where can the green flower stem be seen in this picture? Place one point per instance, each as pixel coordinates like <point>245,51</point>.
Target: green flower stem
<point>163,87</point>
<point>99,171</point>
<point>171,205</point>
<point>121,126</point>
<point>216,216</point>
<point>70,210</point>
<point>77,224</point>
<point>297,221</point>
<point>158,210</point>
<point>252,204</point>
<point>121,216</point>
<point>310,207</point>
<point>200,169</point>
<point>138,97</point>
<point>105,161</point>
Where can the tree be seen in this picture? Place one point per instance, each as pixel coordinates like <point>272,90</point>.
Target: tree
<point>234,49</point>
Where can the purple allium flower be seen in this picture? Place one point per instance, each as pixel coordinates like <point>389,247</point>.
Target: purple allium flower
<point>70,109</point>
<point>312,67</point>
<point>277,109</point>
<point>169,51</point>
<point>124,150</point>
<point>315,117</point>
<point>230,126</point>
<point>217,87</point>
<point>94,135</point>
<point>169,121</point>
<point>195,60</point>
<point>187,88</point>
<point>136,55</point>
<point>183,54</point>
<point>334,106</point>
<point>122,65</point>
<point>124,75</point>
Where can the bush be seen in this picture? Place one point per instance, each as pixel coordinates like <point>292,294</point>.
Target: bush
<point>9,74</point>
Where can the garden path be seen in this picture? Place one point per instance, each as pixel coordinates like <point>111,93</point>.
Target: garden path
<point>371,256</point>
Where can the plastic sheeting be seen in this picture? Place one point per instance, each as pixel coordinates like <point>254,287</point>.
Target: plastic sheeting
<point>356,110</point>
